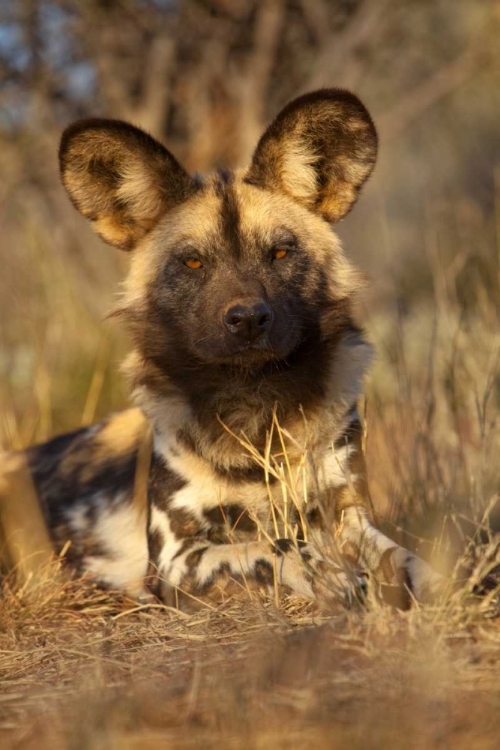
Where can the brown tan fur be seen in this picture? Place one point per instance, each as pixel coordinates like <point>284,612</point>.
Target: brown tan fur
<point>246,361</point>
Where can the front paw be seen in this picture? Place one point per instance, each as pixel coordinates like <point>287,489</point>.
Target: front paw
<point>414,577</point>
<point>311,575</point>
<point>334,584</point>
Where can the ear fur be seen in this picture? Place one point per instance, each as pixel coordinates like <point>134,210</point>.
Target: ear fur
<point>120,178</point>
<point>319,150</point>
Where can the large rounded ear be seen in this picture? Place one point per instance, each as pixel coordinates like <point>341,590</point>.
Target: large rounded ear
<point>319,150</point>
<point>120,178</point>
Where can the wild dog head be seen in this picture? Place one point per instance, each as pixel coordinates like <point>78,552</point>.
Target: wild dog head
<point>234,269</point>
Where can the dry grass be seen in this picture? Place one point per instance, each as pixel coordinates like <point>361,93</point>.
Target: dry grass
<point>85,669</point>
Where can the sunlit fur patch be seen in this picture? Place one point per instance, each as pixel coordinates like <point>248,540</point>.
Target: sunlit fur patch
<point>119,436</point>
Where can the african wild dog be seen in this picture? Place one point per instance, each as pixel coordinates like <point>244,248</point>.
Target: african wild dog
<point>239,305</point>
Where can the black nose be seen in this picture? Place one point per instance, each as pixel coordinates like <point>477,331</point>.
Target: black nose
<point>249,319</point>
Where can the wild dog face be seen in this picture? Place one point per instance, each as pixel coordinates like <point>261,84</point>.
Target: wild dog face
<point>234,269</point>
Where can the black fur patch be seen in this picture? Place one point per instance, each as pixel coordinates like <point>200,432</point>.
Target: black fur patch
<point>264,573</point>
<point>194,558</point>
<point>163,483</point>
<point>352,432</point>
<point>234,516</point>
<point>229,214</point>
<point>314,517</point>
<point>156,541</point>
<point>283,546</point>
<point>183,523</point>
<point>67,473</point>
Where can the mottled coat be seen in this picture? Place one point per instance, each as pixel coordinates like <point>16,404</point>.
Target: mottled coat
<point>245,356</point>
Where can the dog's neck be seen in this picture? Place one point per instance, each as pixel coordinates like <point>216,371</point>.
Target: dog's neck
<point>308,397</point>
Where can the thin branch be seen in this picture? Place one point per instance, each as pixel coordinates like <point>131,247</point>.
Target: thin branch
<point>337,56</point>
<point>413,105</point>
<point>151,111</point>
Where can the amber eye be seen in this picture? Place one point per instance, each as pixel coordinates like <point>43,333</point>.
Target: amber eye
<point>193,263</point>
<point>280,252</point>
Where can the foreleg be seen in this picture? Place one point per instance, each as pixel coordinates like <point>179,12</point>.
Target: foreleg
<point>358,538</point>
<point>209,571</point>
